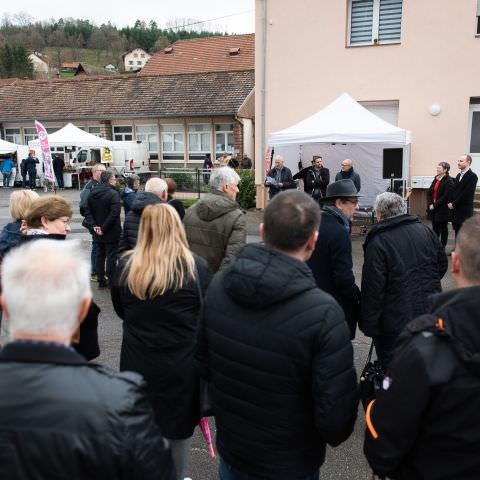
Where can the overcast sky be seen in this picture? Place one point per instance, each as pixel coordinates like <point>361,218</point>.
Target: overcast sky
<point>239,15</point>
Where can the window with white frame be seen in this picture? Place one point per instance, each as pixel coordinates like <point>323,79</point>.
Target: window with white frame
<point>29,134</point>
<point>375,21</point>
<point>173,141</point>
<point>13,135</point>
<point>199,136</point>
<point>148,134</point>
<point>478,17</point>
<point>474,124</point>
<point>224,138</point>
<point>123,133</point>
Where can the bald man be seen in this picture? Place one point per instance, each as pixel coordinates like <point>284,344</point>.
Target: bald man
<point>347,173</point>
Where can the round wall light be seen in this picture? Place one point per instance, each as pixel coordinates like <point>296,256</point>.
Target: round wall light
<point>434,109</point>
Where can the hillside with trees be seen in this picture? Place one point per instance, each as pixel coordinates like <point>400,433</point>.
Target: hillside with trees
<point>74,40</point>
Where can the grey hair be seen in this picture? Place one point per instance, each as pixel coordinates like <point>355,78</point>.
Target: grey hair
<point>223,176</point>
<point>44,284</point>
<point>156,185</point>
<point>278,157</point>
<point>389,204</point>
<point>106,176</point>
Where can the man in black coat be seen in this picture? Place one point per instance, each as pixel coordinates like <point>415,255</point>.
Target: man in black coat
<point>404,263</point>
<point>279,178</point>
<point>58,166</point>
<point>103,216</point>
<point>61,417</point>
<point>347,172</point>
<point>277,353</point>
<point>315,178</point>
<point>425,422</point>
<point>155,192</point>
<point>463,193</point>
<point>331,262</point>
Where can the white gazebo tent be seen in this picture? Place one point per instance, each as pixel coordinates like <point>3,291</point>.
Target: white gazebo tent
<point>72,136</point>
<point>344,129</point>
<point>7,147</point>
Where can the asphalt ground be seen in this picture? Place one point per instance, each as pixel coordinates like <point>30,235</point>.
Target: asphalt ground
<point>345,462</point>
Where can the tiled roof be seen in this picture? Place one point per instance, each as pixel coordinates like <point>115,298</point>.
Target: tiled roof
<point>123,96</point>
<point>210,54</point>
<point>8,81</point>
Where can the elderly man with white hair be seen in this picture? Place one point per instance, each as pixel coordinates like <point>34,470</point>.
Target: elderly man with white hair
<point>404,263</point>
<point>279,178</point>
<point>215,225</point>
<point>61,417</point>
<point>156,191</point>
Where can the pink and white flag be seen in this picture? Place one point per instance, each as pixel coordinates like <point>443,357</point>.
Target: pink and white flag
<point>46,154</point>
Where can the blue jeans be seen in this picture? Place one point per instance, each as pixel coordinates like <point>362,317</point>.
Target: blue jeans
<point>227,472</point>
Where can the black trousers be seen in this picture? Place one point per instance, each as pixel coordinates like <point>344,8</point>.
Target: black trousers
<point>441,229</point>
<point>32,177</point>
<point>456,228</point>
<point>106,254</point>
<point>59,177</point>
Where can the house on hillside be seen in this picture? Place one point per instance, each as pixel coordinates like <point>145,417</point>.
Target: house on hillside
<point>180,117</point>
<point>72,69</point>
<point>225,53</point>
<point>135,60</point>
<point>40,65</point>
<point>110,67</point>
<point>409,62</point>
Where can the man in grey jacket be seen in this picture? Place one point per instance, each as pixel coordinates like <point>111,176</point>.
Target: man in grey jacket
<point>215,225</point>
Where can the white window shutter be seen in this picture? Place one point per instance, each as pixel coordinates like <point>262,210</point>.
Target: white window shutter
<point>361,22</point>
<point>390,20</point>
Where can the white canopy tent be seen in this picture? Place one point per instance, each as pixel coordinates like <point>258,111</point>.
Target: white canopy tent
<point>344,129</point>
<point>7,147</point>
<point>72,136</point>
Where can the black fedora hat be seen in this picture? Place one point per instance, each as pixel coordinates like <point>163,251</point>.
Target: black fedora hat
<point>340,188</point>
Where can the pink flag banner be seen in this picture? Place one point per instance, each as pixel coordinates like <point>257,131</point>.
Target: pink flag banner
<point>46,154</point>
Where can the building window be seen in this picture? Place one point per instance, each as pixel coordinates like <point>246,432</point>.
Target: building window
<point>29,134</point>
<point>13,135</point>
<point>173,141</point>
<point>478,17</point>
<point>142,55</point>
<point>139,62</point>
<point>94,131</point>
<point>224,138</point>
<point>123,133</point>
<point>375,21</point>
<point>148,134</point>
<point>130,62</point>
<point>135,55</point>
<point>199,136</point>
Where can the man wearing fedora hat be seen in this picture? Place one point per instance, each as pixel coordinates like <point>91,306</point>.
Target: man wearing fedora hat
<point>331,262</point>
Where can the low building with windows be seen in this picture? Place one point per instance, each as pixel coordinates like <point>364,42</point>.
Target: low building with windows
<point>180,117</point>
<point>410,62</point>
<point>135,60</point>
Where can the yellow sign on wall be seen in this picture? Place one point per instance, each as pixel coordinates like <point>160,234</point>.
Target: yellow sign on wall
<point>107,155</point>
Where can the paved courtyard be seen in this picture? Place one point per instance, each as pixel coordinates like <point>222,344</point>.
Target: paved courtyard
<point>345,462</point>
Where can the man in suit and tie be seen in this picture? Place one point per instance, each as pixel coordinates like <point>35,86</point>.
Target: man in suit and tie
<point>463,193</point>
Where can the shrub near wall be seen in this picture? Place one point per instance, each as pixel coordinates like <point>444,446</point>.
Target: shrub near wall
<point>247,191</point>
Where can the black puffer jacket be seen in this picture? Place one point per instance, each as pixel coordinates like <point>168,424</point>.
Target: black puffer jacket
<point>404,263</point>
<point>434,389</point>
<point>104,208</point>
<point>278,355</point>
<point>61,417</point>
<point>132,220</point>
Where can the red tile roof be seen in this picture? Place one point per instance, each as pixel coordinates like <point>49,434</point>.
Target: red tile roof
<point>210,54</point>
<point>8,81</point>
<point>125,96</point>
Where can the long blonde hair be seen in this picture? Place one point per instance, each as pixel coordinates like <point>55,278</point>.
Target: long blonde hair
<point>161,260</point>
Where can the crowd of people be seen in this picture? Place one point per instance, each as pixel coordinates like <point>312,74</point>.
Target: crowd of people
<point>268,327</point>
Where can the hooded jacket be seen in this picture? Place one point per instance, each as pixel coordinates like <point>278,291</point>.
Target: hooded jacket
<point>132,220</point>
<point>276,350</point>
<point>104,211</point>
<point>404,263</point>
<point>427,419</point>
<point>216,228</point>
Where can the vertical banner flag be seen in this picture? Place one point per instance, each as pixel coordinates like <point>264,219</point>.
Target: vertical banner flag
<point>268,161</point>
<point>46,154</point>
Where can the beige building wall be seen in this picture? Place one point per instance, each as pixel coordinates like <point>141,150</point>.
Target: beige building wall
<point>308,64</point>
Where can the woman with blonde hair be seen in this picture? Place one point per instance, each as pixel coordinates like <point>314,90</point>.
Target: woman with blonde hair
<point>20,202</point>
<point>158,294</point>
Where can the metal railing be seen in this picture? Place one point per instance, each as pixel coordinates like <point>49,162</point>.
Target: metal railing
<point>188,180</point>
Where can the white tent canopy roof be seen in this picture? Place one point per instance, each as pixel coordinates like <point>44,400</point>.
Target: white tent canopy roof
<point>7,147</point>
<point>70,135</point>
<point>342,121</point>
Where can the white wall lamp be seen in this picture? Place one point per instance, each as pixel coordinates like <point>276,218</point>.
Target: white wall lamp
<point>434,109</point>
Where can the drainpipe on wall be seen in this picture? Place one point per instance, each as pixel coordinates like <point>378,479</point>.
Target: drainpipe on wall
<point>260,152</point>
